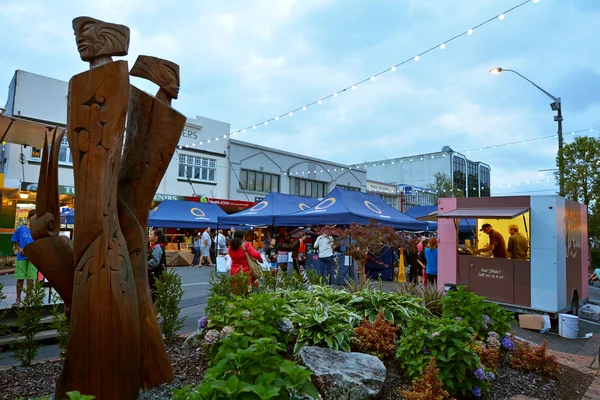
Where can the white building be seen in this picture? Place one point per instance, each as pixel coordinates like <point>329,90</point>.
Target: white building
<point>469,177</point>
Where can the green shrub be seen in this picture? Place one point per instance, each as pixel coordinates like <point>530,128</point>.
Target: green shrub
<point>247,368</point>
<point>397,309</point>
<point>449,343</point>
<point>169,292</point>
<point>230,286</point>
<point>59,321</point>
<point>482,316</point>
<point>323,325</point>
<point>429,295</point>
<point>259,315</point>
<point>28,324</point>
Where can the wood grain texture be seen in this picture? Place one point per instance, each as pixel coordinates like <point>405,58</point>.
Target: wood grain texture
<point>164,73</point>
<point>153,131</point>
<point>103,356</point>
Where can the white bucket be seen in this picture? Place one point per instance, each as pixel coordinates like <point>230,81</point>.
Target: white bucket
<point>568,326</point>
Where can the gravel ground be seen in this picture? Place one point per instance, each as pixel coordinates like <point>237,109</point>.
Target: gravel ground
<point>38,380</point>
<point>189,367</point>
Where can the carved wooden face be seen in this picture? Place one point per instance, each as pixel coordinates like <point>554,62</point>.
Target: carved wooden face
<point>171,80</point>
<point>96,38</point>
<point>162,72</point>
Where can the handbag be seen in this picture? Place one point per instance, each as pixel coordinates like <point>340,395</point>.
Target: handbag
<point>255,267</point>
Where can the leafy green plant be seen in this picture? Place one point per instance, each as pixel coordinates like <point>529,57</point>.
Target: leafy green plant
<point>449,343</point>
<point>429,295</point>
<point>59,321</point>
<point>258,315</point>
<point>355,286</point>
<point>482,316</point>
<point>377,338</point>
<point>28,324</point>
<point>230,286</point>
<point>428,387</point>
<point>397,309</point>
<point>319,324</point>
<point>250,368</point>
<point>169,292</point>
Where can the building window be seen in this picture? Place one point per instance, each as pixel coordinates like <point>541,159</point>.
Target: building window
<point>197,168</point>
<point>484,181</point>
<point>392,200</point>
<point>472,179</point>
<point>354,189</point>
<point>459,174</point>
<point>258,181</point>
<point>308,188</point>
<point>64,154</point>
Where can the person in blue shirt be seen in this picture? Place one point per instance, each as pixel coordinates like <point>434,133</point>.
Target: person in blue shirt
<point>431,255</point>
<point>24,269</point>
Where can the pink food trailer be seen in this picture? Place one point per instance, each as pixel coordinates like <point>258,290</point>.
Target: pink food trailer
<point>553,278</point>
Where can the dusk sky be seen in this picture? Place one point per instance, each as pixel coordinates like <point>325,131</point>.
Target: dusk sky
<point>244,62</point>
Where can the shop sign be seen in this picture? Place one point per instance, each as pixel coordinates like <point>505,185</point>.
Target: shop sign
<point>258,199</point>
<point>70,190</point>
<point>231,203</point>
<point>377,187</point>
<point>162,197</point>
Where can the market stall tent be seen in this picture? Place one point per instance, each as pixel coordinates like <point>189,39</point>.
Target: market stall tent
<point>344,207</point>
<point>264,212</point>
<point>185,214</point>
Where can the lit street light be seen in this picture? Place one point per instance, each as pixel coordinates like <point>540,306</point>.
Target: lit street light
<point>555,106</point>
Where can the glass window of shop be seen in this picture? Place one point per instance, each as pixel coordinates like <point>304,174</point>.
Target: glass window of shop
<point>459,175</point>
<point>259,181</point>
<point>197,168</point>
<point>484,180</point>
<point>64,153</point>
<point>310,188</point>
<point>354,189</point>
<point>472,179</point>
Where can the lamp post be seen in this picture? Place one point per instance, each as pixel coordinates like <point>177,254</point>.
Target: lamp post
<point>555,106</point>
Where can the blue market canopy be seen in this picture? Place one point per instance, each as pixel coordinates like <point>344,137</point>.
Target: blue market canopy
<point>67,217</point>
<point>264,212</point>
<point>430,213</point>
<point>185,214</point>
<point>345,207</point>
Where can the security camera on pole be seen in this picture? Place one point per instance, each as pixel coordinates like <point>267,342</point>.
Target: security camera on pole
<point>555,106</point>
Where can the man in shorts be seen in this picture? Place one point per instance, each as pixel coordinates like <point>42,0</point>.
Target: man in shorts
<point>24,269</point>
<point>205,245</point>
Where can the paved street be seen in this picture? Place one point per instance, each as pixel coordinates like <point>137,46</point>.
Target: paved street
<point>196,287</point>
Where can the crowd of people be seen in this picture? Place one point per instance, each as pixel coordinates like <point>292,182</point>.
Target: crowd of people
<point>422,259</point>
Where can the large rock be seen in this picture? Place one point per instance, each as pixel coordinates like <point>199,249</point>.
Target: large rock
<point>339,375</point>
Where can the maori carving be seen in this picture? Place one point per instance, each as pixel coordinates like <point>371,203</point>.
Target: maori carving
<point>98,41</point>
<point>115,345</point>
<point>162,72</point>
<point>153,130</point>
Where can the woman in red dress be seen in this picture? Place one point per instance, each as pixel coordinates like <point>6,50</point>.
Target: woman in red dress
<point>239,263</point>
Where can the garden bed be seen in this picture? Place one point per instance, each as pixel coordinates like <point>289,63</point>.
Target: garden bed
<point>38,380</point>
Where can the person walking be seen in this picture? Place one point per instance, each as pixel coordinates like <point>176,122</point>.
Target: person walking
<point>157,259</point>
<point>205,244</point>
<point>24,269</point>
<point>197,250</point>
<point>431,254</point>
<point>324,244</point>
<point>238,248</point>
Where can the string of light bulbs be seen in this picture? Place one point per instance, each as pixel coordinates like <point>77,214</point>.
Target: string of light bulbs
<point>353,87</point>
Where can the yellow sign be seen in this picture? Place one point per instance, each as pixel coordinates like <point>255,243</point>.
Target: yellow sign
<point>325,204</point>
<point>303,206</point>
<point>401,273</point>
<point>372,207</point>
<point>260,206</point>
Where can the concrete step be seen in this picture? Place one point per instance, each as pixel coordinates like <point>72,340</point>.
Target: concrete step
<point>44,335</point>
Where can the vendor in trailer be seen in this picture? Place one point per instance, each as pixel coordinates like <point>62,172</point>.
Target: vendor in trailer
<point>497,244</point>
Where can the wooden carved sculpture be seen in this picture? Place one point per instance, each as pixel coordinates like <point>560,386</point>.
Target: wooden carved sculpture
<point>115,345</point>
<point>153,131</point>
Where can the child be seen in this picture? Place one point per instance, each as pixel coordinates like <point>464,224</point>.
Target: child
<point>271,254</point>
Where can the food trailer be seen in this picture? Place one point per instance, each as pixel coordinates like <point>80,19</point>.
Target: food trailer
<point>553,279</point>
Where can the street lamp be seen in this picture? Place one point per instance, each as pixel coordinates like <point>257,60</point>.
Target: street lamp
<point>555,106</point>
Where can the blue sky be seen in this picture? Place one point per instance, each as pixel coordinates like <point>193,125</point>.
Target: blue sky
<point>243,62</point>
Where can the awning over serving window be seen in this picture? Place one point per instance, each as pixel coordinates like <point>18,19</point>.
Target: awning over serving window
<point>21,131</point>
<point>485,212</point>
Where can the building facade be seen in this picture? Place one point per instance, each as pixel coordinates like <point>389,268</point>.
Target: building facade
<point>257,170</point>
<point>471,178</point>
<point>387,191</point>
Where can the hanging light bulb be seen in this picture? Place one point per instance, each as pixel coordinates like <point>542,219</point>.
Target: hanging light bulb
<point>353,87</point>
<point>224,136</point>
<point>200,143</point>
<point>304,108</point>
<point>208,141</point>
<point>501,17</point>
<point>216,139</point>
<point>335,95</point>
<point>372,79</point>
<point>276,118</point>
<point>266,122</point>
<point>194,144</point>
<point>254,127</point>
<point>290,113</point>
<point>244,131</point>
<point>319,102</point>
<point>393,69</point>
<point>442,46</point>
<point>536,1</point>
<point>416,58</point>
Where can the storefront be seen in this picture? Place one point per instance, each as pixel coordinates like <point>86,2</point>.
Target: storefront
<point>551,280</point>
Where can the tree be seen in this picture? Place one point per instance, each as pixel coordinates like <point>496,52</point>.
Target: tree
<point>581,160</point>
<point>443,187</point>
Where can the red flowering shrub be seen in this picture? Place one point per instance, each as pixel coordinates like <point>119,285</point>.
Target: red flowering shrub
<point>428,387</point>
<point>377,338</point>
<point>489,357</point>
<point>535,359</point>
